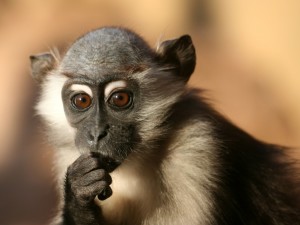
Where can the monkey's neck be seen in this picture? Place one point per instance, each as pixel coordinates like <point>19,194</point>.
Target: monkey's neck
<point>136,192</point>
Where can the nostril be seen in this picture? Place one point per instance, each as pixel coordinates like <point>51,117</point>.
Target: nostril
<point>102,135</point>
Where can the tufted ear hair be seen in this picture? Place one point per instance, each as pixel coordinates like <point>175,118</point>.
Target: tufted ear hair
<point>41,64</point>
<point>180,54</point>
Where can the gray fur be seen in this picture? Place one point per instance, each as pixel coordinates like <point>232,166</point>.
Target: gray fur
<point>172,159</point>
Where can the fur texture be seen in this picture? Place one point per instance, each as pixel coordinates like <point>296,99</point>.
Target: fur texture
<point>178,161</point>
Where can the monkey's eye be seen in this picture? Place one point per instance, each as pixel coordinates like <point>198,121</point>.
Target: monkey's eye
<point>81,101</point>
<point>120,99</point>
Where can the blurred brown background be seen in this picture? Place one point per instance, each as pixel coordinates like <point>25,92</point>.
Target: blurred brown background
<point>248,58</point>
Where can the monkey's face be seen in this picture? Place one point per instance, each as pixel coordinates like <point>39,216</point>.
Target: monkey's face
<point>103,114</point>
<point>111,93</point>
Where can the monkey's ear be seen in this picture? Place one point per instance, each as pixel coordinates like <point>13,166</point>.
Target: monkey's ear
<point>41,64</point>
<point>179,53</point>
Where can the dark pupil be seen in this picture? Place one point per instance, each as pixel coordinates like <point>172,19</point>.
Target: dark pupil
<point>83,99</point>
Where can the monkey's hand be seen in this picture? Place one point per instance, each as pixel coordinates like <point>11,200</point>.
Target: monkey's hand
<point>86,178</point>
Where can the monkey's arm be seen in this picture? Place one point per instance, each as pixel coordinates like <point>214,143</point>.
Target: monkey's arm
<point>85,180</point>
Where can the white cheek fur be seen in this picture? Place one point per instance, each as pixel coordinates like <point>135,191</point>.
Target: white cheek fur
<point>51,109</point>
<point>114,85</point>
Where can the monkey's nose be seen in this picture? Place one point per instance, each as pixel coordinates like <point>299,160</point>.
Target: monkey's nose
<point>95,135</point>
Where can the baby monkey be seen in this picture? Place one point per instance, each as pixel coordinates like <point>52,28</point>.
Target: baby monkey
<point>135,146</point>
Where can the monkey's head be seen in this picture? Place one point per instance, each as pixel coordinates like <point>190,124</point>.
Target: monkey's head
<point>110,92</point>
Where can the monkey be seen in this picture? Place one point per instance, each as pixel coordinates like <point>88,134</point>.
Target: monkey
<point>135,144</point>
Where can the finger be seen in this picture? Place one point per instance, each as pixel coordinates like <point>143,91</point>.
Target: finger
<point>95,176</point>
<point>97,187</point>
<point>106,163</point>
<point>84,165</point>
<point>106,193</point>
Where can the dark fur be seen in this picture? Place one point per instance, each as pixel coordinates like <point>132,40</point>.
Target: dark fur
<point>201,169</point>
<point>257,182</point>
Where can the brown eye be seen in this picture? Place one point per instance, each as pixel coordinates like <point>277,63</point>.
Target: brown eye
<point>81,101</point>
<point>120,99</point>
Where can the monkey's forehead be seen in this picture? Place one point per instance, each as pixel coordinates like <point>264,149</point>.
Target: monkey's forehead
<point>107,49</point>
